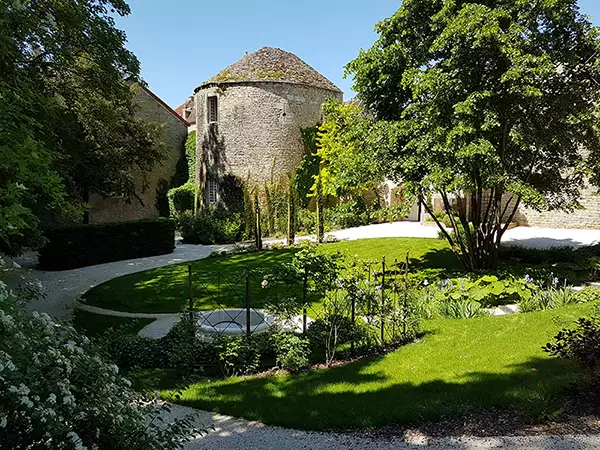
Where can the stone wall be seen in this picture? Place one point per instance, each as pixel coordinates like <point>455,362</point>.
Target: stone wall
<point>588,217</point>
<point>174,133</point>
<point>258,128</point>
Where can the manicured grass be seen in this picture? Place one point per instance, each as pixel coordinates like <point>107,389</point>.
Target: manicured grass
<point>220,281</point>
<point>93,325</point>
<point>458,367</point>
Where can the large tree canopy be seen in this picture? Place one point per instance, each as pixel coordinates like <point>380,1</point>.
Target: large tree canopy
<point>486,105</point>
<point>68,127</point>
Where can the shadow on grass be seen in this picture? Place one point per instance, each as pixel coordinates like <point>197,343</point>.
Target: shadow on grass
<point>352,396</point>
<point>437,259</point>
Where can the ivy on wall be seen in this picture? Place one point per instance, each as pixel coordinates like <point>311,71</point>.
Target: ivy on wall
<point>183,184</point>
<point>308,168</point>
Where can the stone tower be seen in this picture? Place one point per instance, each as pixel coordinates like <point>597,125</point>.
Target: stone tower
<point>250,114</point>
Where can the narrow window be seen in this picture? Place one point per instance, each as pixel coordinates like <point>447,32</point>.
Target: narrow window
<point>213,113</point>
<point>213,191</point>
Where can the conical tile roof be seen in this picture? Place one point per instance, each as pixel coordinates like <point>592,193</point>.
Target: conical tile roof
<point>271,65</point>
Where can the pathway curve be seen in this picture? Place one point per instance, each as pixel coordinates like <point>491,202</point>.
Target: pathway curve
<point>238,434</point>
<point>64,288</point>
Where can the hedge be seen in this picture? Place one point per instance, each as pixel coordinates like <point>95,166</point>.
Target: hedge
<point>87,245</point>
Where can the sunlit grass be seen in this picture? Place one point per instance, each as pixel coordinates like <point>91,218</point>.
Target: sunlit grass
<point>220,281</point>
<point>458,367</point>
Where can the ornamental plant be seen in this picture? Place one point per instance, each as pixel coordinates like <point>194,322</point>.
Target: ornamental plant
<point>488,289</point>
<point>57,391</point>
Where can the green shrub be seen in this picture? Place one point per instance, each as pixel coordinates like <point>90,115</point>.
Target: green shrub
<point>319,330</point>
<point>238,355</point>
<point>292,352</point>
<point>58,391</point>
<point>181,199</point>
<point>442,217</point>
<point>588,294</point>
<point>487,290</point>
<point>86,245</point>
<point>581,344</point>
<point>462,233</point>
<point>347,215</point>
<point>210,226</point>
<point>306,221</point>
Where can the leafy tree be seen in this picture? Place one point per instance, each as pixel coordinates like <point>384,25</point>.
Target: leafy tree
<point>70,125</point>
<point>30,189</point>
<point>488,105</point>
<point>342,148</point>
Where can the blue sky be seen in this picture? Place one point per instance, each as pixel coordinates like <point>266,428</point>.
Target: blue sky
<point>181,43</point>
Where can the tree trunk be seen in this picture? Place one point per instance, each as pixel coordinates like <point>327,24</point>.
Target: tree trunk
<point>477,236</point>
<point>319,202</point>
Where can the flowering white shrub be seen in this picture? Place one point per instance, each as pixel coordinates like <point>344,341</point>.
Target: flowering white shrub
<point>57,392</point>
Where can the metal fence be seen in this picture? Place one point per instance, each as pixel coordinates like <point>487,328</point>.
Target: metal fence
<point>254,300</point>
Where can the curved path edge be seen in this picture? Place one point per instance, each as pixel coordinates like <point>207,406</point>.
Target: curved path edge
<point>227,432</point>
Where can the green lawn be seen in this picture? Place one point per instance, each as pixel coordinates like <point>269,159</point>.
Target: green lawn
<point>220,280</point>
<point>458,367</point>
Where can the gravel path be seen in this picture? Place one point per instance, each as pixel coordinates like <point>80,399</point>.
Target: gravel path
<point>233,434</point>
<point>63,288</point>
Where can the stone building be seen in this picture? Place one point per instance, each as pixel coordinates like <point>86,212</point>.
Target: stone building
<point>249,116</point>
<point>174,133</point>
<point>187,111</point>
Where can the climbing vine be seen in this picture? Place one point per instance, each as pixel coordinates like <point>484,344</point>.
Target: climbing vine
<point>308,168</point>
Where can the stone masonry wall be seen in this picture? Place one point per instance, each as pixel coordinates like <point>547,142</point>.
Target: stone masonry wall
<point>589,217</point>
<point>258,126</point>
<point>116,209</point>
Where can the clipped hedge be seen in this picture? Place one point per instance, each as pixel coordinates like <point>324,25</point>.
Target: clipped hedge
<point>87,245</point>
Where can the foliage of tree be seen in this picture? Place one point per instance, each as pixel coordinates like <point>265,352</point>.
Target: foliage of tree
<point>342,148</point>
<point>70,125</point>
<point>488,105</point>
<point>31,190</point>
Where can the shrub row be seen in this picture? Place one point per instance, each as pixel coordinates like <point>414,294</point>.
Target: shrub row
<point>181,199</point>
<point>86,245</point>
<point>211,226</point>
<point>182,352</point>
